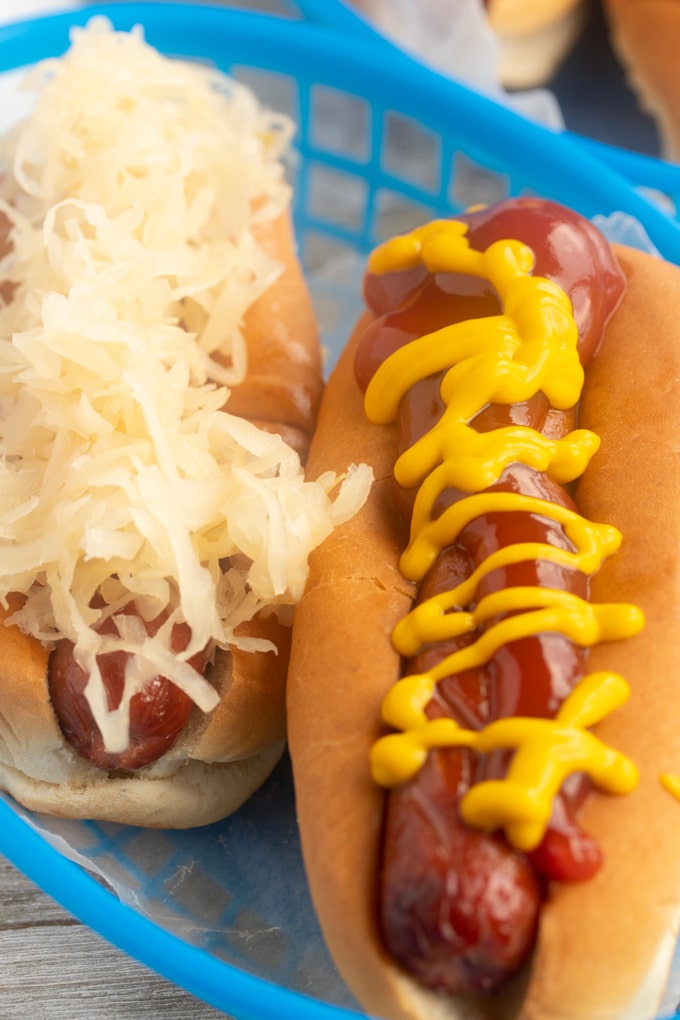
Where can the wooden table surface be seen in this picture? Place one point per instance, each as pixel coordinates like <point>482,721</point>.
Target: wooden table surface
<point>54,968</point>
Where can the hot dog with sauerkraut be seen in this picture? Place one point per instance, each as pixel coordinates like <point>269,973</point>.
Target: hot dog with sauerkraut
<point>161,373</point>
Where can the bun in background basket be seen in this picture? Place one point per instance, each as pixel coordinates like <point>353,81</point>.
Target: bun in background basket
<point>161,372</point>
<point>645,35</point>
<point>529,38</point>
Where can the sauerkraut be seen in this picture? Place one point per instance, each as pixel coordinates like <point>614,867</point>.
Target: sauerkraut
<point>131,191</point>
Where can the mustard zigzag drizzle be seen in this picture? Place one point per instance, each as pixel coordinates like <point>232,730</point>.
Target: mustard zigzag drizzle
<point>502,359</point>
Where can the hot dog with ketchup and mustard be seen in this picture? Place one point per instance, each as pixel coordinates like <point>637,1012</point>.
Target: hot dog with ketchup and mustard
<point>482,736</point>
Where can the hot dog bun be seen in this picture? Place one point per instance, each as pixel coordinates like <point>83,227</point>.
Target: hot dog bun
<point>282,389</point>
<point>41,771</point>
<point>627,917</point>
<point>644,36</point>
<point>223,756</point>
<point>604,946</point>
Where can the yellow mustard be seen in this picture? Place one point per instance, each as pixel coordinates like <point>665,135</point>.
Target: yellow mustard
<point>671,783</point>
<point>502,359</point>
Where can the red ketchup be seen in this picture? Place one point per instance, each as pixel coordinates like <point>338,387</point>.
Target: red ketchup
<point>451,929</point>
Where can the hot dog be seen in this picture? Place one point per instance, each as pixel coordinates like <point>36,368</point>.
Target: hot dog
<point>161,376</point>
<point>454,871</point>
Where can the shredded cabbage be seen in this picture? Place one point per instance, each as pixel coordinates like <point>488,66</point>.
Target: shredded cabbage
<point>131,191</point>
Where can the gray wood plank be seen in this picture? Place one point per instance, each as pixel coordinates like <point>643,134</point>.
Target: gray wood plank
<point>54,968</point>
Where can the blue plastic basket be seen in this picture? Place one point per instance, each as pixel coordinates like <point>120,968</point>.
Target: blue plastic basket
<point>382,143</point>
